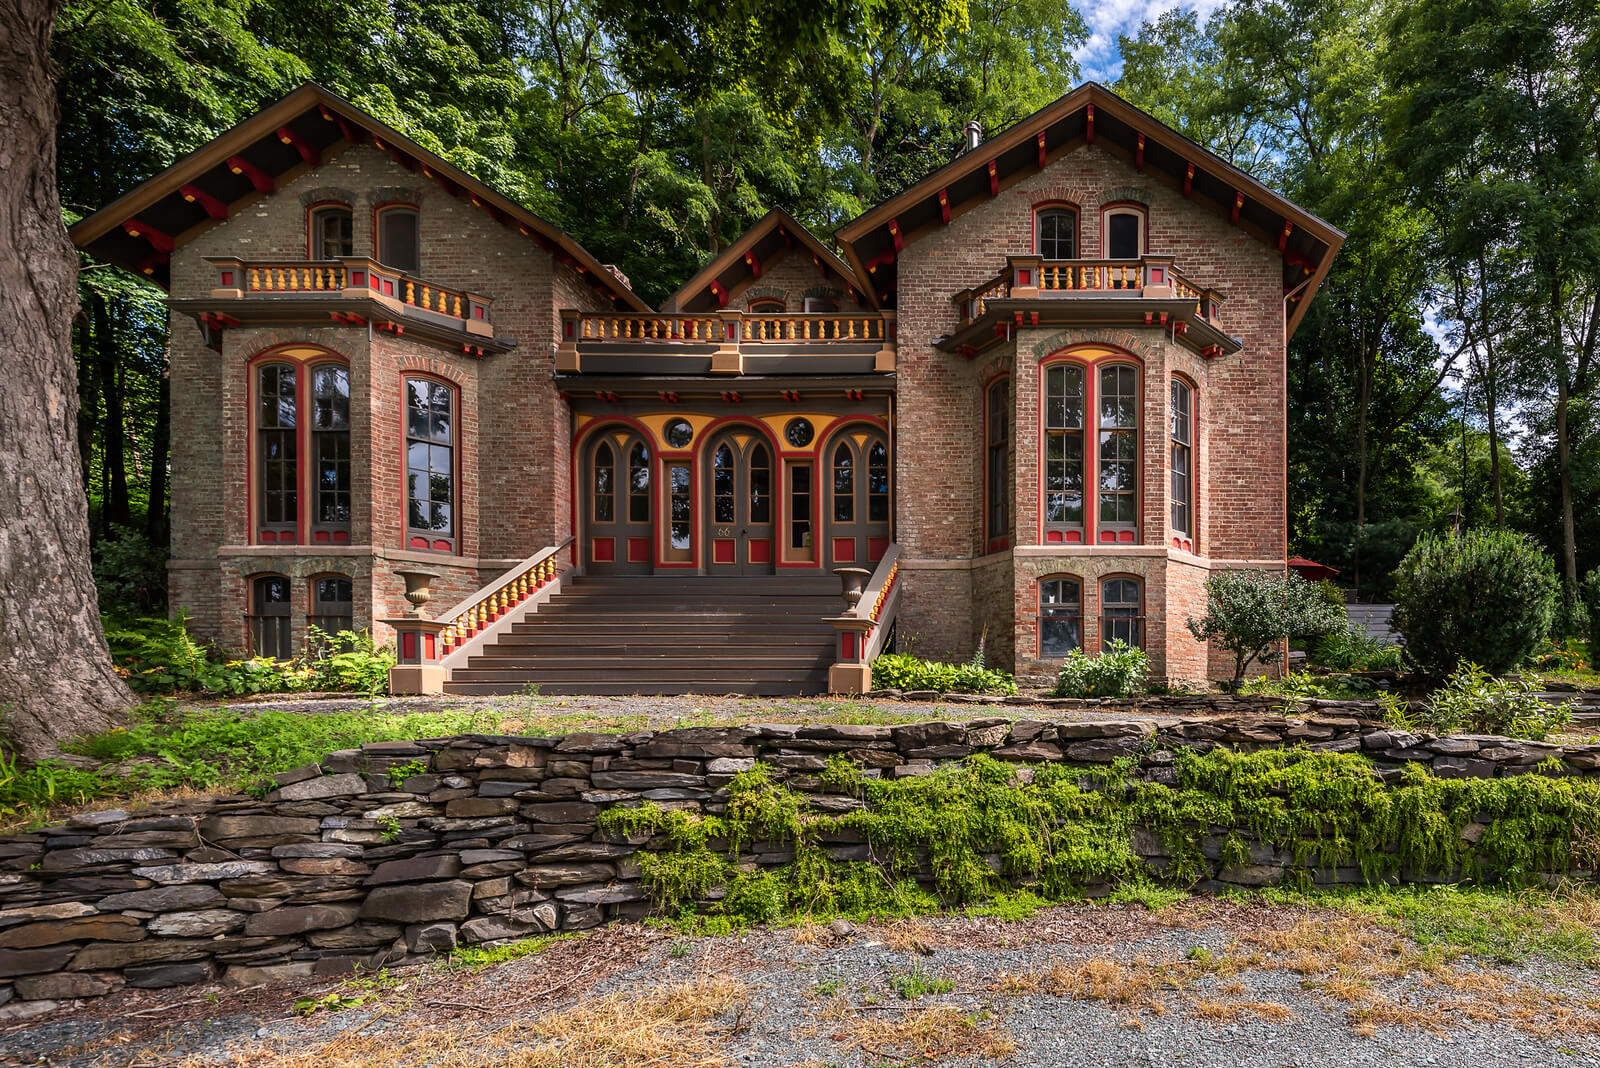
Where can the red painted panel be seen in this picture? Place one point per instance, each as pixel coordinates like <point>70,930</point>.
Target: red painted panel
<point>321,537</point>
<point>388,287</point>
<point>1074,536</point>
<point>268,537</point>
<point>428,644</point>
<point>1188,546</point>
<point>341,537</point>
<point>844,550</point>
<point>1108,536</point>
<point>408,646</point>
<point>1125,536</point>
<point>847,645</point>
<point>441,546</point>
<point>1054,537</point>
<point>1177,543</point>
<point>876,547</point>
<point>638,550</point>
<point>358,278</point>
<point>418,543</point>
<point>761,551</point>
<point>604,550</point>
<point>227,278</point>
<point>722,551</point>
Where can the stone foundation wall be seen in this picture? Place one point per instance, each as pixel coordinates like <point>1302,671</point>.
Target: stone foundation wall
<point>404,848</point>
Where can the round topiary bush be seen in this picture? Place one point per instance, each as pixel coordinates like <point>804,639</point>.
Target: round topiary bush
<point>1486,597</point>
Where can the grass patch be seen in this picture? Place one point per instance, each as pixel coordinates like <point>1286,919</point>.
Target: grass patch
<point>222,750</point>
<point>477,958</point>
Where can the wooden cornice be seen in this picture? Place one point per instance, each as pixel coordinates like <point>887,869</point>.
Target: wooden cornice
<point>307,105</point>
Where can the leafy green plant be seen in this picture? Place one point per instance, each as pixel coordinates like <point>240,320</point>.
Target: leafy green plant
<point>1484,596</point>
<point>159,656</point>
<point>1474,702</point>
<point>401,772</point>
<point>348,660</point>
<point>901,671</point>
<point>1349,648</point>
<point>1305,684</point>
<point>130,574</point>
<point>389,827</point>
<point>1252,614</point>
<point>1119,671</point>
<point>1589,593</point>
<point>918,982</point>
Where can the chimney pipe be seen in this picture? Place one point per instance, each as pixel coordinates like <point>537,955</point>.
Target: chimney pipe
<point>974,133</point>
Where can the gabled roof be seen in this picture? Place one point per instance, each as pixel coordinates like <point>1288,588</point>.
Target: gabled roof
<point>140,229</point>
<point>776,233</point>
<point>1093,114</point>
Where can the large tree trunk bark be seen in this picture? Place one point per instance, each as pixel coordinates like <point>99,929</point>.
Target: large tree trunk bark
<point>56,679</point>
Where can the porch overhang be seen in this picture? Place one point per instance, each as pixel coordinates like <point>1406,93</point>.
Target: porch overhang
<point>1179,319</point>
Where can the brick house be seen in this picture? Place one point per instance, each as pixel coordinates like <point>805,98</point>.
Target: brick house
<point>1036,399</point>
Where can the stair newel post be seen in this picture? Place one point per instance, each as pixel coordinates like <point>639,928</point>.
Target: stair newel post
<point>417,641</point>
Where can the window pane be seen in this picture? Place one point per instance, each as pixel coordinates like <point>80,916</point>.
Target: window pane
<point>1056,232</point>
<point>397,239</point>
<point>1122,236</point>
<point>844,485</point>
<point>760,485</point>
<point>639,484</point>
<point>1059,634</point>
<point>878,483</point>
<point>430,458</point>
<point>679,506</point>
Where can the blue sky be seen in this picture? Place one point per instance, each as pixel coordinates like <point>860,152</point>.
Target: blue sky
<point>1107,18</point>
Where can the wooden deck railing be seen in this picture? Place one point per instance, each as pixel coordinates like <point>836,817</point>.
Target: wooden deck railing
<point>725,327</point>
<point>1027,277</point>
<point>481,610</point>
<point>350,277</point>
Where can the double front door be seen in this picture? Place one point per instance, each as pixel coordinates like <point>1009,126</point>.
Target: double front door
<point>740,480</point>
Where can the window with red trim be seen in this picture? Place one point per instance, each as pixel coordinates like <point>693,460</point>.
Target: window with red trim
<point>278,446</point>
<point>1060,617</point>
<point>1118,446</point>
<point>997,463</point>
<point>1057,233</point>
<point>1063,445</point>
<point>430,464</point>
<point>332,232</point>
<point>1181,437</point>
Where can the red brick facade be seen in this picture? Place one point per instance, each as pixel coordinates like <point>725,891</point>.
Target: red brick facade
<point>525,424</point>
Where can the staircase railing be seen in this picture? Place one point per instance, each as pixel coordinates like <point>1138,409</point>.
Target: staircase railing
<point>862,630</point>
<point>470,623</point>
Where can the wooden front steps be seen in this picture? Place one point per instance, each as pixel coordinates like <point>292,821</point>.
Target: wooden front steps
<point>664,634</point>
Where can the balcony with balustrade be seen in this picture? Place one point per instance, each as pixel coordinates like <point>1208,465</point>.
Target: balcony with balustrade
<point>1032,291</point>
<point>727,342</point>
<point>353,291</point>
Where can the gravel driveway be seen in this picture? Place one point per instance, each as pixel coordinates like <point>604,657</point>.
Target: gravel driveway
<point>1202,983</point>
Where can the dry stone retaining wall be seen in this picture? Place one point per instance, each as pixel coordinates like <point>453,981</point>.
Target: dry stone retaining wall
<point>479,838</point>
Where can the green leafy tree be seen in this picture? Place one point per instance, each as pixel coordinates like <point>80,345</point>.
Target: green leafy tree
<point>1483,596</point>
<point>1252,614</point>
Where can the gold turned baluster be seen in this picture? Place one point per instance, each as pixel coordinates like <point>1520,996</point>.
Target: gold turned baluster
<point>851,326</point>
<point>411,293</point>
<point>255,278</point>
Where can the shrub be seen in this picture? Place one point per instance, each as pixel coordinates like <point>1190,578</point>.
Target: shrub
<point>1349,648</point>
<point>1119,671</point>
<point>1589,593</point>
<point>900,671</point>
<point>1486,596</point>
<point>1473,702</point>
<point>1251,613</point>
<point>130,574</point>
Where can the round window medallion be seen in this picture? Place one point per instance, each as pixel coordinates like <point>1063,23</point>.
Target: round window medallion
<point>679,433</point>
<point>799,433</point>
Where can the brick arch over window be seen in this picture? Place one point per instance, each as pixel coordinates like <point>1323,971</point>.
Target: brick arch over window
<point>1091,484</point>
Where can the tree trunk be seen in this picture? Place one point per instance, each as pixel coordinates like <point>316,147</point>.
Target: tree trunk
<point>55,673</point>
<point>1491,397</point>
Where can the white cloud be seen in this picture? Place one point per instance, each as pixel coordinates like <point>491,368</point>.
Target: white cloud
<point>1099,57</point>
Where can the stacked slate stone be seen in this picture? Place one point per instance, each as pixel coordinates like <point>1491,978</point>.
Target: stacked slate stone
<point>480,838</point>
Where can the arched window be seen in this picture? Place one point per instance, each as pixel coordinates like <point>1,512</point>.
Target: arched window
<point>269,617</point>
<point>330,446</point>
<point>332,235</point>
<point>1121,612</point>
<point>997,462</point>
<point>760,484</point>
<point>430,465</point>
<point>639,483</point>
<point>766,307</point>
<point>1181,435</point>
<point>399,245</point>
<point>1063,446</point>
<point>844,484</point>
<point>723,505</point>
<point>605,484</point>
<point>1118,446</point>
<point>1060,617</point>
<point>1124,232</point>
<point>878,483</point>
<point>277,447</point>
<point>1058,234</point>
<point>332,604</point>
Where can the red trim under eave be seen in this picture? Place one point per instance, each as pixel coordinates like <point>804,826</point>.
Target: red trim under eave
<point>258,178</point>
<point>195,195</point>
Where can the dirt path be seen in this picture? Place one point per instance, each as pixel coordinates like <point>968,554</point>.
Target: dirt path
<point>1201,983</point>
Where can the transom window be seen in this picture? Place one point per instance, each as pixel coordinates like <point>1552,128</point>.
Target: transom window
<point>1060,617</point>
<point>1063,452</point>
<point>1181,435</point>
<point>1124,234</point>
<point>997,464</point>
<point>430,463</point>
<point>332,235</point>
<point>1058,234</point>
<point>1121,612</point>
<point>1118,445</point>
<point>767,307</point>
<point>278,445</point>
<point>398,243</point>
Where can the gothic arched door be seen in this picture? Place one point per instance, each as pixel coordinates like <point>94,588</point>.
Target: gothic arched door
<point>857,505</point>
<point>617,504</point>
<point>740,504</point>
